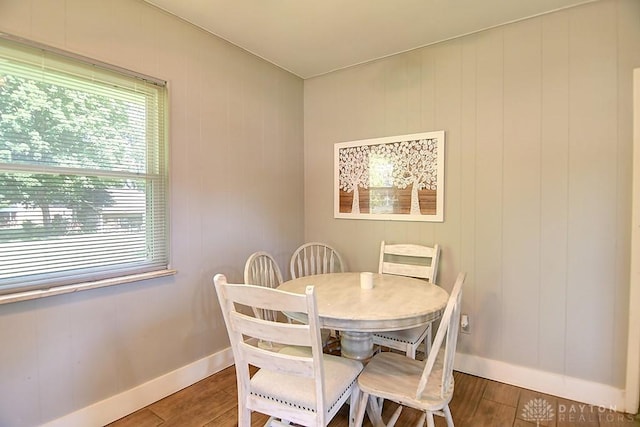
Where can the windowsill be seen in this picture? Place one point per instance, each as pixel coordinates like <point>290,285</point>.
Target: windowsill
<point>59,290</point>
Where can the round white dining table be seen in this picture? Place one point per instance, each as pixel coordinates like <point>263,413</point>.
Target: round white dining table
<point>394,303</point>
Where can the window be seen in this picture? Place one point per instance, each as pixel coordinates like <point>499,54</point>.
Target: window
<point>383,196</point>
<point>83,171</point>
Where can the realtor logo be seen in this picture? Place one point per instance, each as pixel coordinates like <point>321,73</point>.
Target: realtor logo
<point>537,410</point>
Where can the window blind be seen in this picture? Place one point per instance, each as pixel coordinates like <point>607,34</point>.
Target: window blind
<point>83,171</point>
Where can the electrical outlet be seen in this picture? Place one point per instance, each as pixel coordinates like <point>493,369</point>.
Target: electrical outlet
<point>465,327</point>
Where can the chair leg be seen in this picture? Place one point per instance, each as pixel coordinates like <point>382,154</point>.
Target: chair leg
<point>354,404</point>
<point>447,416</point>
<point>411,351</point>
<point>430,421</point>
<point>361,407</point>
<point>427,342</point>
<point>244,417</point>
<point>394,418</point>
<point>374,412</point>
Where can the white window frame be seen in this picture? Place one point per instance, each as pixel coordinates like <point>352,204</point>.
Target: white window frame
<point>42,285</point>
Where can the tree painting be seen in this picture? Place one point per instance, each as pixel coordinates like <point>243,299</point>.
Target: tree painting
<point>414,164</point>
<point>354,172</point>
<point>395,177</point>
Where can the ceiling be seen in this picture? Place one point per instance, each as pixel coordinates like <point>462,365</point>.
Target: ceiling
<point>309,38</point>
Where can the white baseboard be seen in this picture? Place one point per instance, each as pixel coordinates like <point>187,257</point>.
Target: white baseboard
<point>129,401</point>
<point>120,405</point>
<point>592,393</point>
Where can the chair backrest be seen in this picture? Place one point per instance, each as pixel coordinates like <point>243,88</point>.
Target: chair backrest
<point>410,260</point>
<point>315,258</point>
<point>241,326</point>
<point>261,269</point>
<point>448,335</point>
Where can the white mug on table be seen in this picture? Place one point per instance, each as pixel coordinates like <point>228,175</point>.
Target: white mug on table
<point>366,280</point>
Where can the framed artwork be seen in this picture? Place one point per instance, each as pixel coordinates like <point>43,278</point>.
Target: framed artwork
<point>398,178</point>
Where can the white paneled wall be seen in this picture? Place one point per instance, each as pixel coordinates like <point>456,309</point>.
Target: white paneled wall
<point>236,162</point>
<point>595,188</point>
<point>554,172</point>
<point>538,125</point>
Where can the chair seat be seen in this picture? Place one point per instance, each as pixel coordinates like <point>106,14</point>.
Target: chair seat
<point>299,392</point>
<point>409,336</point>
<point>406,373</point>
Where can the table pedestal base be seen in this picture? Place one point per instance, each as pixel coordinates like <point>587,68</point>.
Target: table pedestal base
<point>356,345</point>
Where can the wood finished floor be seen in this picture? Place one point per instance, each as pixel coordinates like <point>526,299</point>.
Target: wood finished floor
<point>477,402</point>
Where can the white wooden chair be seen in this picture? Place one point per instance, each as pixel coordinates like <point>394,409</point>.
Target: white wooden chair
<point>295,385</point>
<point>318,258</point>
<point>261,269</point>
<point>413,261</point>
<point>315,258</point>
<point>426,386</point>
